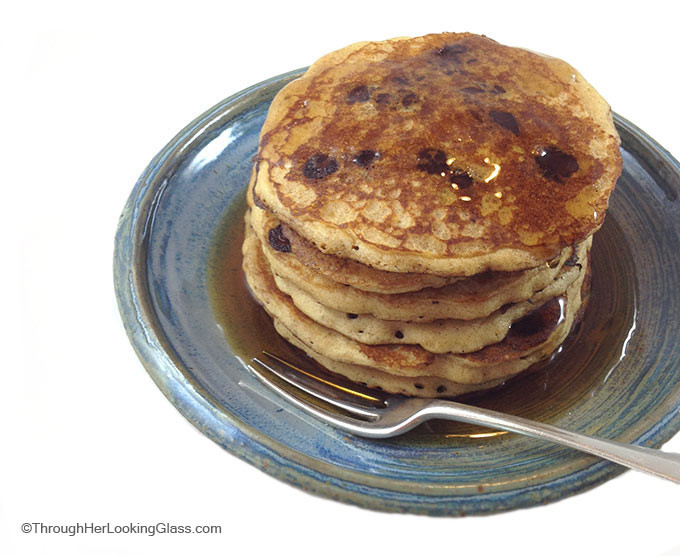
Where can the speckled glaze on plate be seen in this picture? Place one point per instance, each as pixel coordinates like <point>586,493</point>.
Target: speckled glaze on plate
<point>162,249</point>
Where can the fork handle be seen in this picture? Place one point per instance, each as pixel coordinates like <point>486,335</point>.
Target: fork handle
<point>649,460</point>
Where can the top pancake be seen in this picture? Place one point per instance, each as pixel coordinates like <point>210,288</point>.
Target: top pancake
<point>448,154</point>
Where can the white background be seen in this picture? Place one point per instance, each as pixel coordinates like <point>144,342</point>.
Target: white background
<point>89,94</point>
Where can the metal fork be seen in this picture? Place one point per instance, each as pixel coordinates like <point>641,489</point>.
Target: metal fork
<point>376,416</point>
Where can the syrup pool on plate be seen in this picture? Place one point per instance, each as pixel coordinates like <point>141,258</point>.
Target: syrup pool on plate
<point>545,392</point>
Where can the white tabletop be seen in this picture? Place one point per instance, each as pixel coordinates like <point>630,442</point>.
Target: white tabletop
<point>89,95</point>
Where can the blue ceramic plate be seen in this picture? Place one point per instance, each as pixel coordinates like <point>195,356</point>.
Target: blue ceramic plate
<point>617,377</point>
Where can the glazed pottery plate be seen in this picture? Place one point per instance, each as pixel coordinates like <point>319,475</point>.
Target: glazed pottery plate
<point>617,377</point>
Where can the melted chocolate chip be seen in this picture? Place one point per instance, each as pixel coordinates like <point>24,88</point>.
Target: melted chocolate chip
<point>498,89</point>
<point>472,90</point>
<point>461,178</point>
<point>399,334</point>
<point>505,119</point>
<point>409,99</point>
<point>352,316</point>
<point>360,93</point>
<point>556,164</point>
<point>433,161</point>
<point>382,98</point>
<point>365,158</point>
<point>279,241</point>
<point>572,261</point>
<point>319,166</point>
<point>452,52</point>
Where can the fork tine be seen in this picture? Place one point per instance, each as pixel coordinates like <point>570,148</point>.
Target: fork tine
<point>315,387</point>
<point>332,385</point>
<point>342,422</point>
<point>349,396</point>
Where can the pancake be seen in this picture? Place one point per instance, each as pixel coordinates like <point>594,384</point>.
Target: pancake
<point>439,336</point>
<point>507,358</point>
<point>419,386</point>
<point>345,271</point>
<point>446,154</point>
<point>469,299</point>
<point>422,210</point>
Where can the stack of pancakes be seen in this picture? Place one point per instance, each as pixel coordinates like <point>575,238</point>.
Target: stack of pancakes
<point>421,210</point>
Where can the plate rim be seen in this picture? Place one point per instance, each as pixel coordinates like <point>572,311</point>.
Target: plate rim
<point>249,443</point>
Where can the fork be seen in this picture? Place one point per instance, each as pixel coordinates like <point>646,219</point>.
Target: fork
<point>376,415</point>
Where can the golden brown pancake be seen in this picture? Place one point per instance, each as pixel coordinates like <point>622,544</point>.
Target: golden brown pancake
<point>344,271</point>
<point>422,210</point>
<point>420,386</point>
<point>439,336</point>
<point>447,154</point>
<point>473,298</point>
<point>504,359</point>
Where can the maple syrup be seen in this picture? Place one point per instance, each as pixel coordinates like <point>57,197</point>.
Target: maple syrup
<point>544,392</point>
